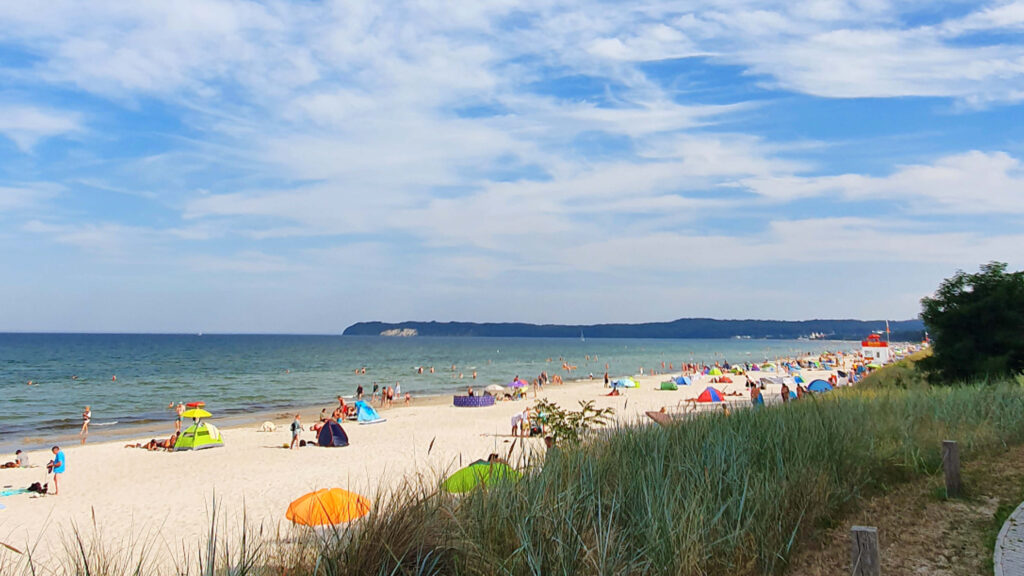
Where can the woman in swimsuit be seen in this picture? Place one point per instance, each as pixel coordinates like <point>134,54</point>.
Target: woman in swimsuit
<point>86,417</point>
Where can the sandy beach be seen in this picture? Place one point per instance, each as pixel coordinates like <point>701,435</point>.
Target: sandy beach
<point>165,499</point>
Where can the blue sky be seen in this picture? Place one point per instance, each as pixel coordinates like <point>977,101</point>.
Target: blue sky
<point>230,166</point>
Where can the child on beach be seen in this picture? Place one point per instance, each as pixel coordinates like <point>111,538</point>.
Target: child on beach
<point>57,467</point>
<point>296,430</point>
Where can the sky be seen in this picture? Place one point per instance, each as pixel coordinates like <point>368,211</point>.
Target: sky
<point>294,167</point>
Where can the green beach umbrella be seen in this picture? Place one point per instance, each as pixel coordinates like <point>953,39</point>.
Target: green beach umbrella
<point>480,473</point>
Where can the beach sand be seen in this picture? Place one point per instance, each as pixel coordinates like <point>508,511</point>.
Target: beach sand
<point>165,499</point>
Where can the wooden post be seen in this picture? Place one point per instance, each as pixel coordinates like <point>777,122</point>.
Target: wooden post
<point>951,465</point>
<point>864,551</point>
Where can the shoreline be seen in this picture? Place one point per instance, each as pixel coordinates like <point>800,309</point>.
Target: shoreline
<point>252,476</point>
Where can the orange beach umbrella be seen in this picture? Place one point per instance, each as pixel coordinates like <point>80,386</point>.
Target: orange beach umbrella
<point>328,507</point>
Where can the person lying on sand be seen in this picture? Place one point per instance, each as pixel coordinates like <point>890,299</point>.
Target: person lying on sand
<point>614,392</point>
<point>155,444</point>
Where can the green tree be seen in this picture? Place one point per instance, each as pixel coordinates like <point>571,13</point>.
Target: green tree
<point>977,324</point>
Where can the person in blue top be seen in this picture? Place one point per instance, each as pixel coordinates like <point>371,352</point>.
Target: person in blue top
<point>57,466</point>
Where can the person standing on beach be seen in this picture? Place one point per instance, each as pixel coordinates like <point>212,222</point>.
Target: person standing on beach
<point>296,431</point>
<point>86,417</point>
<point>785,394</point>
<point>398,389</point>
<point>57,467</point>
<point>756,398</point>
<point>373,396</point>
<point>359,392</point>
<point>177,422</point>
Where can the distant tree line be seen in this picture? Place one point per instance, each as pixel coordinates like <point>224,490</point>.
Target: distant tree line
<point>906,330</point>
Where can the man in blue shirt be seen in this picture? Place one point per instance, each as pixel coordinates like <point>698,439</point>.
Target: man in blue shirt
<point>57,466</point>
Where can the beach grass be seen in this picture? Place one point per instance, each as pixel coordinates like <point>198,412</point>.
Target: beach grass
<point>715,494</point>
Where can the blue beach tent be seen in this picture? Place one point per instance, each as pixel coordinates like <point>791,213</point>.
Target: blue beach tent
<point>365,413</point>
<point>819,386</point>
<point>682,380</point>
<point>798,379</point>
<point>332,435</point>
<point>624,383</point>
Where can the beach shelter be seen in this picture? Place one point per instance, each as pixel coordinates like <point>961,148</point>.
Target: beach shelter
<point>725,380</point>
<point>365,414</point>
<point>624,383</point>
<point>327,507</point>
<point>819,386</point>
<point>874,366</point>
<point>517,383</point>
<point>198,436</point>
<point>714,372</point>
<point>480,473</point>
<point>669,385</point>
<point>798,379</point>
<point>682,380</point>
<point>710,395</point>
<point>332,435</point>
<point>737,370</point>
<point>495,389</point>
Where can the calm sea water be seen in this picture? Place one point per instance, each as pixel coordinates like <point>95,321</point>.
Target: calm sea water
<point>235,374</point>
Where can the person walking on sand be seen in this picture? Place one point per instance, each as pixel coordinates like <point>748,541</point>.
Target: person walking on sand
<point>57,466</point>
<point>785,394</point>
<point>86,417</point>
<point>296,431</point>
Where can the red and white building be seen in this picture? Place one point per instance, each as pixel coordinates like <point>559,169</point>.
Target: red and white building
<point>874,349</point>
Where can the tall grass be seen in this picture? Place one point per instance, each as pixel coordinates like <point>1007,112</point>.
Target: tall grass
<point>711,495</point>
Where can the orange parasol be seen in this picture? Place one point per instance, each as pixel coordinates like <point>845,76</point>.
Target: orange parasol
<point>328,506</point>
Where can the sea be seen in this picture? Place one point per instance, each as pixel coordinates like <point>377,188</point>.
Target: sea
<point>129,380</point>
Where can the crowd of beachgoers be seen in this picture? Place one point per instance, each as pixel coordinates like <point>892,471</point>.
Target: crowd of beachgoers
<point>427,434</point>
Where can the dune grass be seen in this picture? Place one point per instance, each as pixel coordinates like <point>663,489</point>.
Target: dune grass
<point>712,495</point>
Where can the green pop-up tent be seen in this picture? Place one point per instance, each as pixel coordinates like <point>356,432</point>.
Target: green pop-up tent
<point>479,473</point>
<point>200,434</point>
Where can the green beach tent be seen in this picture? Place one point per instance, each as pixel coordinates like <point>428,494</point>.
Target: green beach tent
<point>480,473</point>
<point>669,385</point>
<point>198,436</point>
<point>715,372</point>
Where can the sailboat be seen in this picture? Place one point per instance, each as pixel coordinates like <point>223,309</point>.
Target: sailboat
<point>582,339</point>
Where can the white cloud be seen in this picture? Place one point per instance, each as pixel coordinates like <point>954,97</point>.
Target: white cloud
<point>492,139</point>
<point>27,125</point>
<point>969,183</point>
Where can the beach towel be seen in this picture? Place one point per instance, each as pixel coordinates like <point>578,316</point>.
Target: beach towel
<point>13,491</point>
